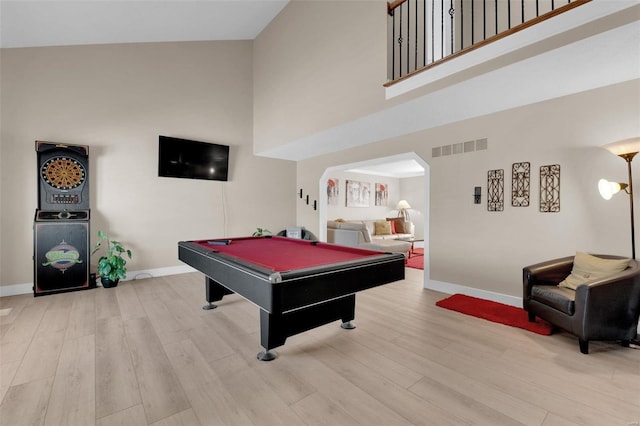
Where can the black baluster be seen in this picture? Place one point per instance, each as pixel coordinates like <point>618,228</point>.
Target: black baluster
<point>473,20</point>
<point>415,43</point>
<point>441,29</point>
<point>400,44</point>
<point>451,13</point>
<point>461,25</point>
<point>424,33</point>
<point>393,45</point>
<point>496,17</point>
<point>484,19</point>
<point>408,36</point>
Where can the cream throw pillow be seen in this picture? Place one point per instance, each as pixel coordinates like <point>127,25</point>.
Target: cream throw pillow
<point>382,228</point>
<point>588,268</point>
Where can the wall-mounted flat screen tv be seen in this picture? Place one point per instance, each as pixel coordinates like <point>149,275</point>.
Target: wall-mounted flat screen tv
<point>183,158</point>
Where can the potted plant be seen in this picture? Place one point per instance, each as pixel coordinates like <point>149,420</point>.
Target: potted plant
<point>259,232</point>
<point>112,265</point>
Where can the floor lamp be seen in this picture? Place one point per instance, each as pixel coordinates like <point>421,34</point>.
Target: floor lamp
<point>626,149</point>
<point>403,210</point>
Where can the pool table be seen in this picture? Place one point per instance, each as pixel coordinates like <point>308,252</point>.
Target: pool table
<point>297,284</point>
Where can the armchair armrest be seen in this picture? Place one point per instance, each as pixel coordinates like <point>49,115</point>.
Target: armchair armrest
<point>550,272</point>
<point>610,303</point>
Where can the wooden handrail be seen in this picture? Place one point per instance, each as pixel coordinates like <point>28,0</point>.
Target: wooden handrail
<point>392,5</point>
<point>489,40</point>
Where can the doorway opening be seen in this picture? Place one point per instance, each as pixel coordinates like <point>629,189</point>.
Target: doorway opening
<point>379,162</point>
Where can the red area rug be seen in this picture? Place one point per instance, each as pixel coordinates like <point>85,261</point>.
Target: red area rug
<point>417,259</point>
<point>496,312</point>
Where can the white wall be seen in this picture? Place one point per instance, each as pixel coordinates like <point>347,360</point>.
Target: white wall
<point>318,64</point>
<point>117,99</point>
<point>468,245</point>
<point>413,190</point>
<point>473,247</point>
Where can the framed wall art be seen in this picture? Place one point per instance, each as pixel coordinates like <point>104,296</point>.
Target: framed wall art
<point>382,195</point>
<point>358,193</point>
<point>333,191</point>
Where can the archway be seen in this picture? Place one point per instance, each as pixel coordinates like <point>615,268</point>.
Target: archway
<point>322,207</point>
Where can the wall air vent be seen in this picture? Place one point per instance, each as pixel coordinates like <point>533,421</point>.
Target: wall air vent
<point>460,148</point>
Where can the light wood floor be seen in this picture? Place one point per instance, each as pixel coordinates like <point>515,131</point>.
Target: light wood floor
<point>144,353</point>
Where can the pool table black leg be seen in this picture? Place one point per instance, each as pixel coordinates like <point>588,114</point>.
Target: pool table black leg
<point>273,333</point>
<point>215,292</point>
<point>276,327</point>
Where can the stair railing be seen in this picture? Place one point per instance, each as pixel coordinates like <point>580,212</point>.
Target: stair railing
<point>424,33</point>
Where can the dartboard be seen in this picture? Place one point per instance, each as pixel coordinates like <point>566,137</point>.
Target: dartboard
<point>63,172</point>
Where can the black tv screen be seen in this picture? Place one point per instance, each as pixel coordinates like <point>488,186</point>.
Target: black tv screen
<point>183,158</point>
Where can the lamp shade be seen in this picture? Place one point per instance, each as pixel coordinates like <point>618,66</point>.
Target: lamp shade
<point>608,189</point>
<point>403,205</point>
<point>626,146</point>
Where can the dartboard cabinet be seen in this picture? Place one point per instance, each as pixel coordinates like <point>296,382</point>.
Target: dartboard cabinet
<point>61,223</point>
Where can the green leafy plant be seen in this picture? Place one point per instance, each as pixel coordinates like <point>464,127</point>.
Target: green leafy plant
<point>260,232</point>
<point>112,265</point>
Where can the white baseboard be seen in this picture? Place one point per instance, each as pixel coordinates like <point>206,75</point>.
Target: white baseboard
<point>17,289</point>
<point>158,272</point>
<point>473,292</point>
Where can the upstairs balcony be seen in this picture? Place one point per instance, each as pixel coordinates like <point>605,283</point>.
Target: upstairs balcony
<point>423,34</point>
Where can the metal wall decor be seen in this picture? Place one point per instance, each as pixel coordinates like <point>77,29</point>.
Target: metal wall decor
<point>520,184</point>
<point>495,190</point>
<point>550,188</point>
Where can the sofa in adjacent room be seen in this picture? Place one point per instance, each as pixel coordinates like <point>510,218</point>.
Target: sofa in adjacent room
<point>389,229</point>
<point>371,234</point>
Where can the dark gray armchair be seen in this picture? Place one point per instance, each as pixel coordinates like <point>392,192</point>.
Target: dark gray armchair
<point>602,309</point>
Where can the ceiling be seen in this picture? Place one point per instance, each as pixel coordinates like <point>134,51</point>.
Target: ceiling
<point>62,23</point>
<point>395,169</point>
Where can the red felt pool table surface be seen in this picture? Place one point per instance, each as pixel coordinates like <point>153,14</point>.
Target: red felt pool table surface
<point>281,254</point>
